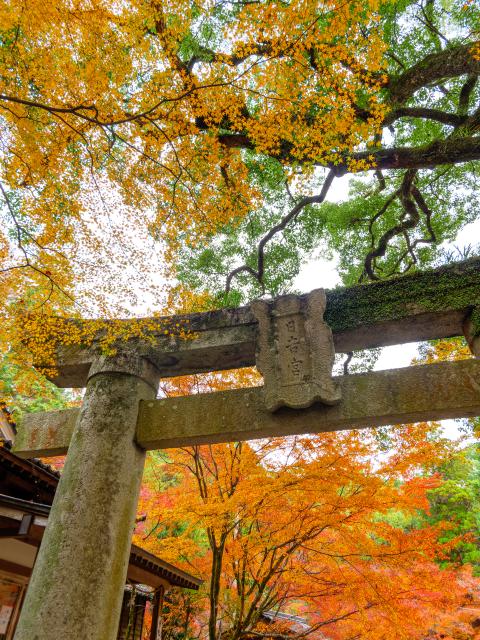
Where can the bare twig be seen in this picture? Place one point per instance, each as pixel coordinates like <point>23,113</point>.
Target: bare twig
<point>28,264</point>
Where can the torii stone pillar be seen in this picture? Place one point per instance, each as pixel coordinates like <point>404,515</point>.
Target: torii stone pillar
<point>76,588</point>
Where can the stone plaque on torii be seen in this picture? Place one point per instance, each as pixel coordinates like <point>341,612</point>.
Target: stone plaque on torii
<point>77,582</point>
<point>295,351</point>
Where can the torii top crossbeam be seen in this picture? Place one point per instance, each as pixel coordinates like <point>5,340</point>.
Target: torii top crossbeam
<point>421,306</point>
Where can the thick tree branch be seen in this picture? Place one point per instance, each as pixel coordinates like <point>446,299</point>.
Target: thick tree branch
<point>465,93</point>
<point>449,151</point>
<point>449,63</point>
<point>453,119</point>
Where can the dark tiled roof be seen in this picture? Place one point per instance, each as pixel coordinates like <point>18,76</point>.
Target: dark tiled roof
<point>34,465</point>
<point>147,561</point>
<point>26,506</point>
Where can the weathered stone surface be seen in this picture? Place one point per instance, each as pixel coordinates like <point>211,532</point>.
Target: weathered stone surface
<point>429,392</point>
<point>295,351</point>
<point>421,306</point>
<point>77,583</point>
<point>47,433</point>
<point>129,362</point>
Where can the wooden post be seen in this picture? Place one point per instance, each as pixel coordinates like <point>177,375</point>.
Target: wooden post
<point>78,580</point>
<point>471,330</point>
<point>157,613</point>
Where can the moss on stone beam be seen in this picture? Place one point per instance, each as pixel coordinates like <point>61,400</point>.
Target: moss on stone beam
<point>449,288</point>
<point>475,322</point>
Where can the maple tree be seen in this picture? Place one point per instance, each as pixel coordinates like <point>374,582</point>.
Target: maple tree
<point>457,498</point>
<point>136,132</point>
<point>457,501</point>
<point>313,525</point>
<point>25,394</point>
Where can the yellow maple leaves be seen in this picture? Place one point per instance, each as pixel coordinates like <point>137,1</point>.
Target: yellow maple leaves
<point>124,128</point>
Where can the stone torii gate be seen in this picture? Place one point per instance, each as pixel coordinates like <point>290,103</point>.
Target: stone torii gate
<point>77,582</point>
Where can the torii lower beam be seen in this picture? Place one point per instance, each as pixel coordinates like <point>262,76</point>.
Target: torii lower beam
<point>397,396</point>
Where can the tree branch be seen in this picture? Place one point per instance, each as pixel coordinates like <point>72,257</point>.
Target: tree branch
<point>291,215</point>
<point>449,63</point>
<point>465,93</point>
<point>448,151</point>
<point>454,119</point>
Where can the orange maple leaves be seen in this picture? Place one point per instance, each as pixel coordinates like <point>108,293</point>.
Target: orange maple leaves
<point>322,526</point>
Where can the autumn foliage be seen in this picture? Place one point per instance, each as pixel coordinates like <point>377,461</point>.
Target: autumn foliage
<point>320,526</point>
<point>118,106</point>
<point>136,136</point>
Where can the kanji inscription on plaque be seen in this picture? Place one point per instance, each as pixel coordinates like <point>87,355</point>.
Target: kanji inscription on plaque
<point>295,351</point>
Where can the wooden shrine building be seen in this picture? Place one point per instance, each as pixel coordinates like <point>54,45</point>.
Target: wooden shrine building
<point>27,489</point>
